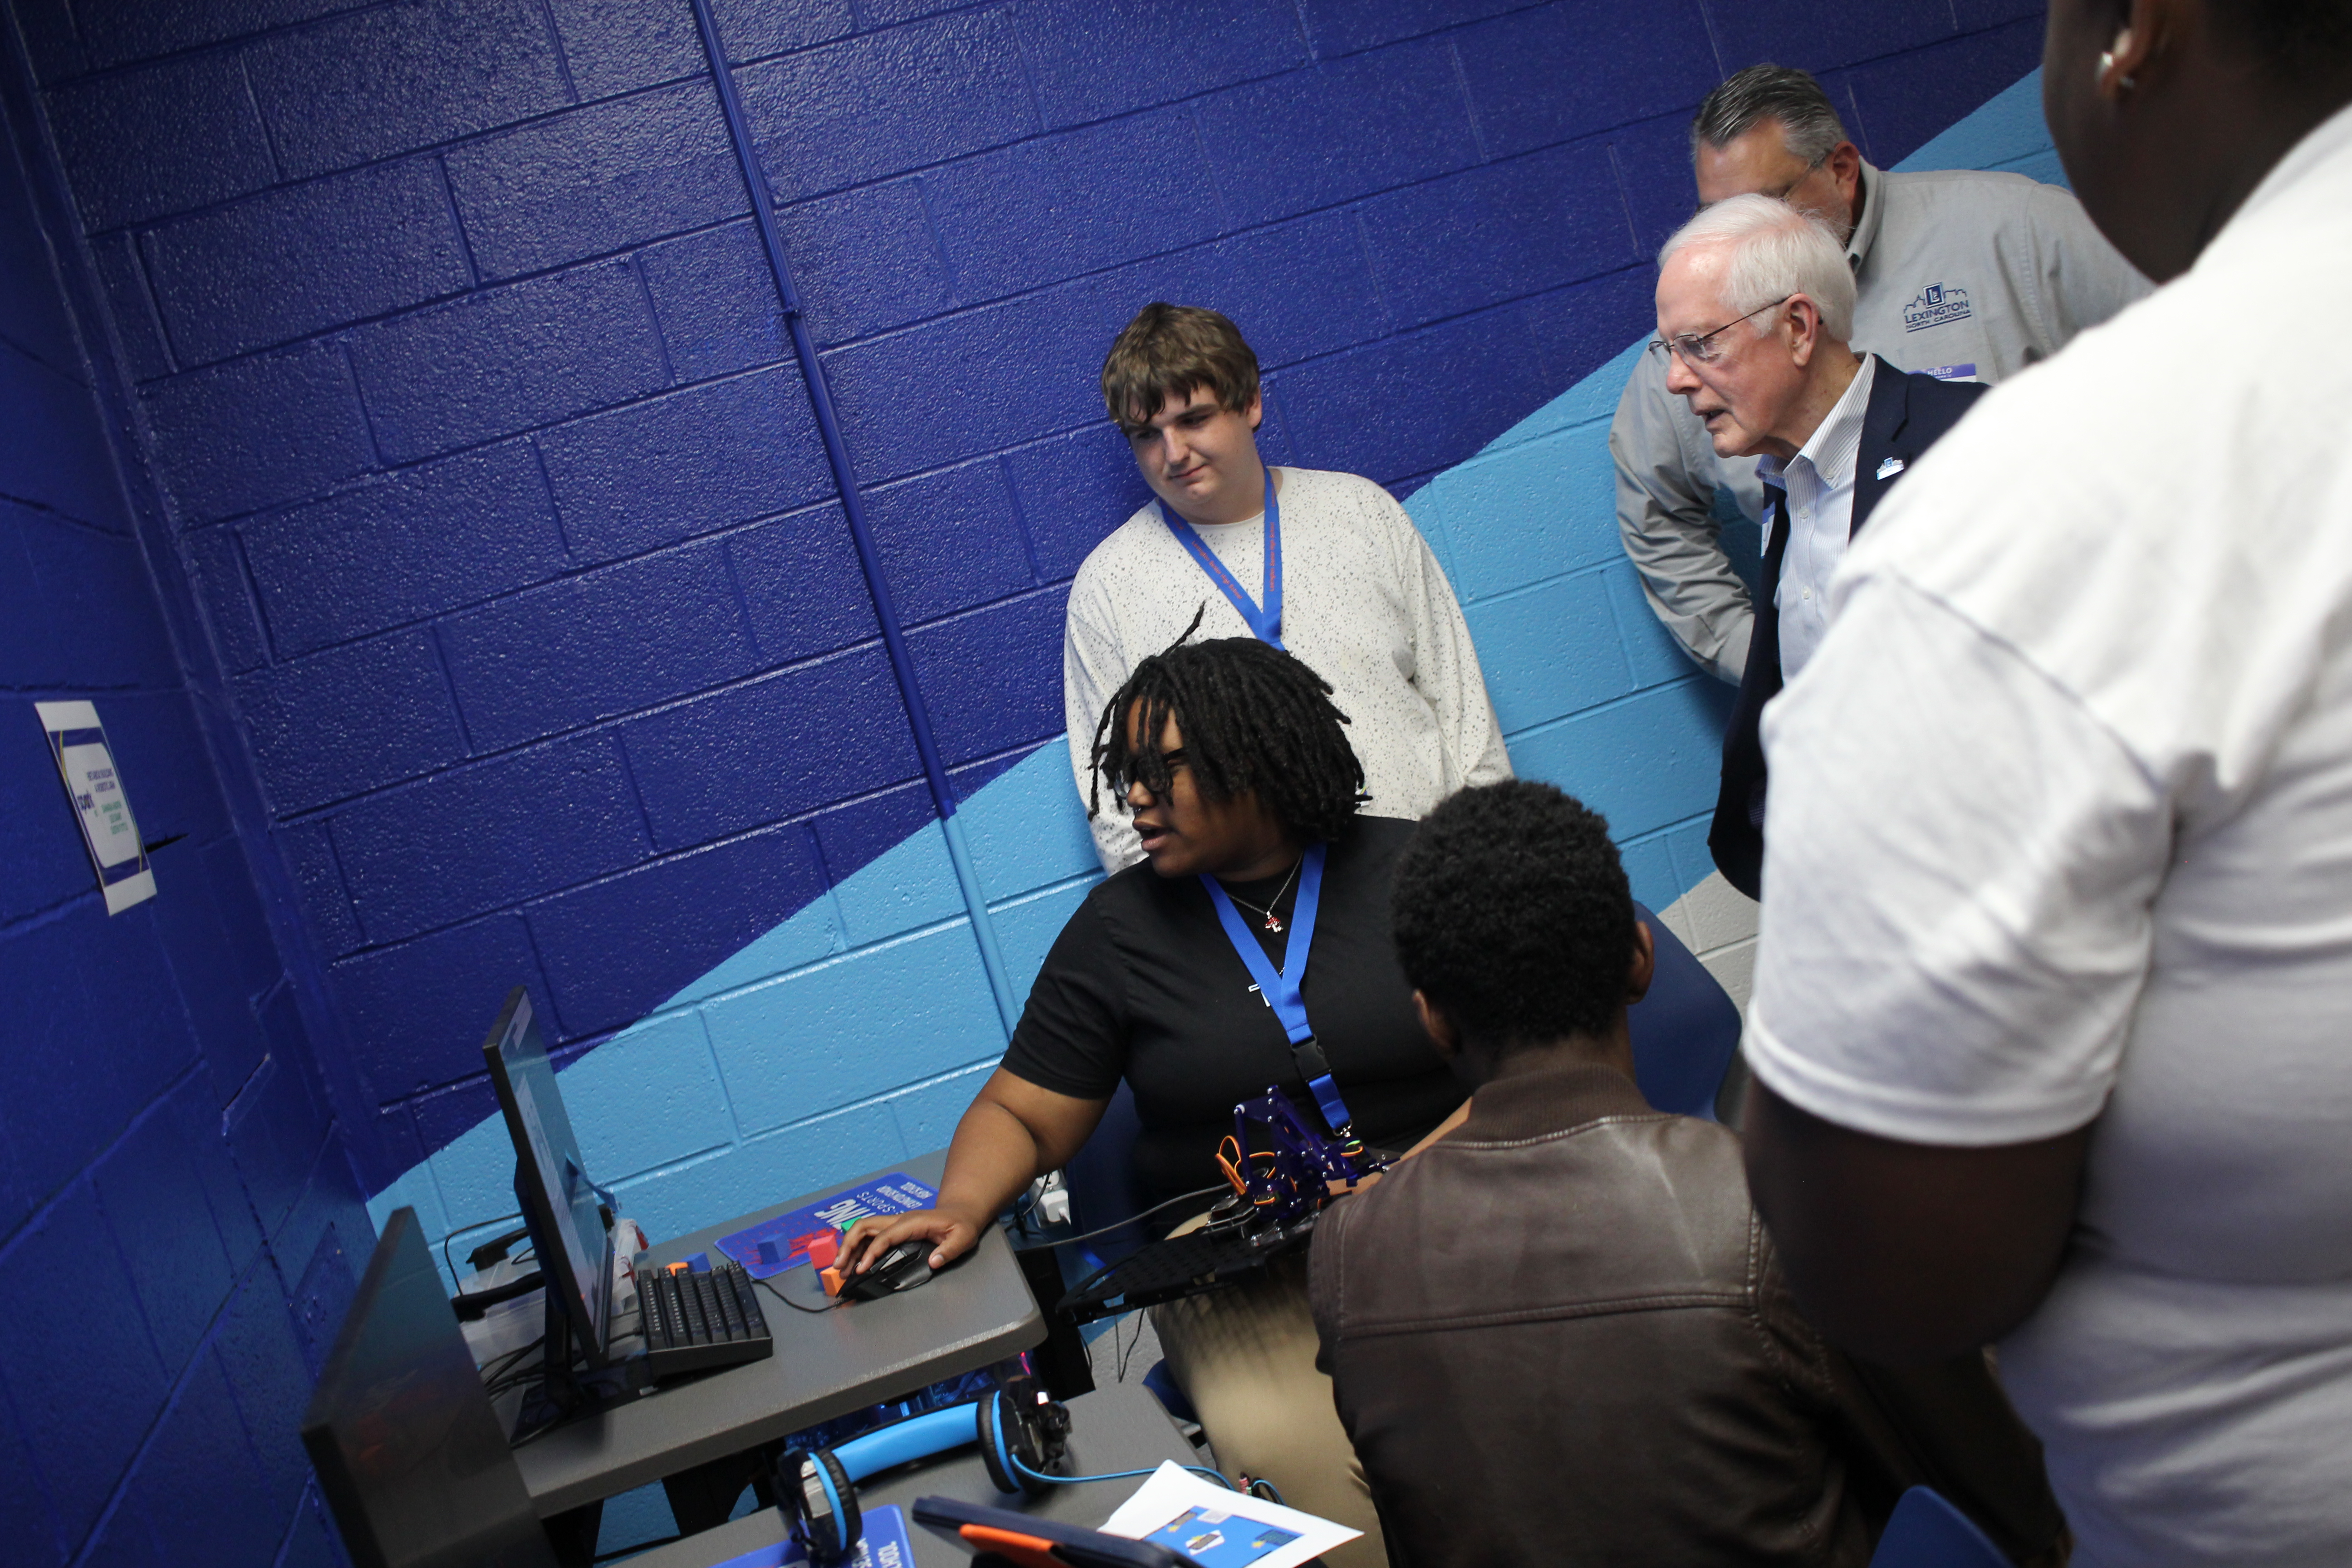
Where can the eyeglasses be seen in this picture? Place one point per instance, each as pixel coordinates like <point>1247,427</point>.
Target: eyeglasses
<point>1781,193</point>
<point>1699,348</point>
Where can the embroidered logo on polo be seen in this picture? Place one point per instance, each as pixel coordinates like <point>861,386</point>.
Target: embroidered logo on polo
<point>1937,305</point>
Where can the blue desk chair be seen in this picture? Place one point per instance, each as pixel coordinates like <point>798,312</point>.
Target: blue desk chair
<point>1926,1531</point>
<point>1103,1188</point>
<point>1685,1031</point>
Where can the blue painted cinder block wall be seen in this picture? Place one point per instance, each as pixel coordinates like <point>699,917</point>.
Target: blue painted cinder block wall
<point>179,1227</point>
<point>459,391</point>
<point>858,1029</point>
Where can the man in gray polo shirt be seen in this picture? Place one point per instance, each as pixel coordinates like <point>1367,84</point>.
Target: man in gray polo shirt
<point>1957,273</point>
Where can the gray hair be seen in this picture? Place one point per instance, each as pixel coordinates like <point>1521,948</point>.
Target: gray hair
<point>1773,250</point>
<point>1779,93</point>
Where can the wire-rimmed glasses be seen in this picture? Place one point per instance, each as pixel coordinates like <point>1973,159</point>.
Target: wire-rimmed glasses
<point>1699,348</point>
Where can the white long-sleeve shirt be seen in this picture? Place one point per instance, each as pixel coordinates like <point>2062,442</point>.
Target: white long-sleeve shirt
<point>1365,605</point>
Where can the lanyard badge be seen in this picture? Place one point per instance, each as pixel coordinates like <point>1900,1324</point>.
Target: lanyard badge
<point>1264,622</point>
<point>1280,987</point>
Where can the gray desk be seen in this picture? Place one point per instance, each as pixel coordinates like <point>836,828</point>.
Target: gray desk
<point>1120,1428</point>
<point>977,1311</point>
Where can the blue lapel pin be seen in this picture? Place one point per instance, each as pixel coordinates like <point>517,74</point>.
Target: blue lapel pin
<point>1889,468</point>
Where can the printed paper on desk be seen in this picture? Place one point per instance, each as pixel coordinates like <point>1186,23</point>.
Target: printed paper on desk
<point>1221,1528</point>
<point>883,1545</point>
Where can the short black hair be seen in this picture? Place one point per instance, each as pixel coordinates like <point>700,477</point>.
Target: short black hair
<point>2296,41</point>
<point>1512,916</point>
<point>1255,719</point>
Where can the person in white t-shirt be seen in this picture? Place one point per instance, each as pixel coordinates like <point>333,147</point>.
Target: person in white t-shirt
<point>1353,590</point>
<point>2052,1036</point>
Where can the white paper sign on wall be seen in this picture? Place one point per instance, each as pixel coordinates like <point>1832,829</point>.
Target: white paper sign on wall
<point>94,784</point>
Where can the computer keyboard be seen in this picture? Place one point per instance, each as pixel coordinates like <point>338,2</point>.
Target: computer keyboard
<point>693,1321</point>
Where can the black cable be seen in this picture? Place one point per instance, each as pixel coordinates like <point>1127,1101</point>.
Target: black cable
<point>1020,1469</point>
<point>471,1305</point>
<point>796,1305</point>
<point>521,1377</point>
<point>501,1365</point>
<point>448,1237</point>
<point>1147,1213</point>
<point>524,1349</point>
<point>1129,1349</point>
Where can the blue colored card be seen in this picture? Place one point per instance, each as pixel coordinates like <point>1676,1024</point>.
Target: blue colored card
<point>885,1545</point>
<point>1216,1539</point>
<point>775,1245</point>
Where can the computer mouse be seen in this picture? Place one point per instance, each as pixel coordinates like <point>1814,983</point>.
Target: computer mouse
<point>902,1268</point>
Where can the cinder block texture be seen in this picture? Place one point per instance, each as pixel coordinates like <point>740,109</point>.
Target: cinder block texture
<point>391,78</point>
<point>466,384</point>
<point>339,249</point>
<point>614,175</point>
<point>163,1143</point>
<point>507,360</point>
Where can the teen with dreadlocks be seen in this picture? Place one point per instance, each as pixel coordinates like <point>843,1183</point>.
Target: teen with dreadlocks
<point>1232,761</point>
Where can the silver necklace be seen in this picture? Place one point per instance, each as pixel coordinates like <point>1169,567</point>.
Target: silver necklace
<point>1273,920</point>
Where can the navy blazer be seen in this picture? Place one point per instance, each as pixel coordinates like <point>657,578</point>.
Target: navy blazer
<point>1907,414</point>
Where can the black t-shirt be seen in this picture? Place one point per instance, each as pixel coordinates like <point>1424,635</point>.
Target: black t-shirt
<point>1143,985</point>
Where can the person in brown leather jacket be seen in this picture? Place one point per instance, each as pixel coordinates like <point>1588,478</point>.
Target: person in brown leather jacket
<point>1559,1333</point>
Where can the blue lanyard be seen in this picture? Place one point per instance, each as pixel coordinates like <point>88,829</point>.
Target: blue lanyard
<point>1265,624</point>
<point>1280,988</point>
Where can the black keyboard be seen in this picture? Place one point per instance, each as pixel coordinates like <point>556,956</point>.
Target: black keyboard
<point>693,1321</point>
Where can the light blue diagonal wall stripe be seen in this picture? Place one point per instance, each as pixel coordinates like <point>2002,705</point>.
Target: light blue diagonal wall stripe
<point>2007,133</point>
<point>856,1032</point>
<point>850,1035</point>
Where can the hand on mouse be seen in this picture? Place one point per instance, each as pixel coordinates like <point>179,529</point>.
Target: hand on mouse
<point>872,1237</point>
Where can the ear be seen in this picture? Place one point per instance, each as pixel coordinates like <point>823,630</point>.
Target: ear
<point>1438,1026</point>
<point>2137,52</point>
<point>1844,164</point>
<point>1645,967</point>
<point>2124,65</point>
<point>1804,329</point>
<point>1255,412</point>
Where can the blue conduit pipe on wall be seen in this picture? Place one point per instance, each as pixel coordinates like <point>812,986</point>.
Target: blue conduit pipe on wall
<point>853,508</point>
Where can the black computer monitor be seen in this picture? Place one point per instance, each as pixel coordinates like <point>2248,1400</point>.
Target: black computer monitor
<point>409,1454</point>
<point>558,1204</point>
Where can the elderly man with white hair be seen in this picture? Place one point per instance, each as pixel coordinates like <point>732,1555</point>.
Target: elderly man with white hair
<point>1967,274</point>
<point>1755,310</point>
